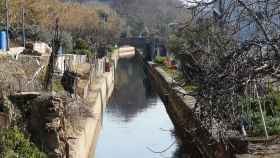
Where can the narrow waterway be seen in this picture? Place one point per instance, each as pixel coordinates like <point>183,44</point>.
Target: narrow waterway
<point>135,122</point>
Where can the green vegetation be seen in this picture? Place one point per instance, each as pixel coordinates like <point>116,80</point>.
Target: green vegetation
<point>190,88</point>
<point>177,75</point>
<point>175,42</point>
<point>57,86</point>
<point>82,48</point>
<point>274,95</point>
<point>272,123</point>
<point>14,144</point>
<point>81,44</point>
<point>160,60</point>
<point>171,72</point>
<point>251,111</point>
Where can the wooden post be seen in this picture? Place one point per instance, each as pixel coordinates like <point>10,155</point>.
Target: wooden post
<point>260,107</point>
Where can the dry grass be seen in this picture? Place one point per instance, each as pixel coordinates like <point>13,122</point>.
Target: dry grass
<point>15,74</point>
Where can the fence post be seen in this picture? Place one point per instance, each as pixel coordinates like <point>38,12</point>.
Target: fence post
<point>260,107</point>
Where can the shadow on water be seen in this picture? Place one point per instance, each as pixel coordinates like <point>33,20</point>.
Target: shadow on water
<point>132,94</point>
<point>135,121</point>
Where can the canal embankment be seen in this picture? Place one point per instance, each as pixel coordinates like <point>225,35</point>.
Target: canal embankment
<point>97,99</point>
<point>98,94</point>
<point>180,105</point>
<point>96,90</point>
<point>179,108</point>
<point>135,121</point>
<point>63,121</point>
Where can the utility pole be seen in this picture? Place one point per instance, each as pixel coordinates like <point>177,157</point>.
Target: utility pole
<point>23,24</point>
<point>7,24</point>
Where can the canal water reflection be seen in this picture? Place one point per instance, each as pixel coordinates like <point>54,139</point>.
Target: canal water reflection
<point>135,119</point>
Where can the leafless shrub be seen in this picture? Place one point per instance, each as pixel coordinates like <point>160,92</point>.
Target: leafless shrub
<point>228,45</point>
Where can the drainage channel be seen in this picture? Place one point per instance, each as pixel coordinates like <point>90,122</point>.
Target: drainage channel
<point>135,123</point>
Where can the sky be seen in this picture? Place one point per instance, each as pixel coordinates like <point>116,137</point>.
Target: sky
<point>189,1</point>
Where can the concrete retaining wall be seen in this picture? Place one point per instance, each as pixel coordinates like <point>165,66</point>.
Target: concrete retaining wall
<point>42,48</point>
<point>88,137</point>
<point>98,95</point>
<point>180,106</point>
<point>67,61</point>
<point>180,110</point>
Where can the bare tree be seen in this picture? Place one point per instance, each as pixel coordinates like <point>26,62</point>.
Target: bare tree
<point>230,51</point>
<point>56,43</point>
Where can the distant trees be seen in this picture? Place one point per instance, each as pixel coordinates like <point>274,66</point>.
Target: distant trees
<point>77,20</point>
<point>148,16</point>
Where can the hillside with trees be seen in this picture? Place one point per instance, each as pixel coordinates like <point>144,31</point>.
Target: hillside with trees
<point>76,22</point>
<point>146,17</point>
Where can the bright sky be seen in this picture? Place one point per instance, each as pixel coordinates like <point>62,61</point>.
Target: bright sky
<point>189,2</point>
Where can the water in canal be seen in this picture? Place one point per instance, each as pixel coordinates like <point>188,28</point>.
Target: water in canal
<point>135,121</point>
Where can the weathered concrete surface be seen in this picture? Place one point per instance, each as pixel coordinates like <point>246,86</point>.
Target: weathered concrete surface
<point>40,47</point>
<point>98,94</point>
<point>15,51</point>
<point>43,48</point>
<point>260,151</point>
<point>69,61</point>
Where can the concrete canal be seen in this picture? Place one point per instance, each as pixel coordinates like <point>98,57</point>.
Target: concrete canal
<point>135,122</point>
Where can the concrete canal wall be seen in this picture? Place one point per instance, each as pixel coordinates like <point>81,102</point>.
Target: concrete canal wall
<point>98,94</point>
<point>179,106</point>
<point>97,98</point>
